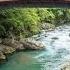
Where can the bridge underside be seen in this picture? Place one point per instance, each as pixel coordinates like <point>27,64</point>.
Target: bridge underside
<point>35,3</point>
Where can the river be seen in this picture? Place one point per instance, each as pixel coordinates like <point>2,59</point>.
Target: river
<point>57,51</point>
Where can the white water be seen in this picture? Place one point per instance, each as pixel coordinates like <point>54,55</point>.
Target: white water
<point>57,50</point>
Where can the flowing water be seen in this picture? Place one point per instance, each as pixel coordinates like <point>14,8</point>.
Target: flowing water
<point>57,51</point>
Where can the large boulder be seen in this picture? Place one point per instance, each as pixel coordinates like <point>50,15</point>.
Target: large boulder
<point>16,44</point>
<point>32,44</point>
<point>28,43</point>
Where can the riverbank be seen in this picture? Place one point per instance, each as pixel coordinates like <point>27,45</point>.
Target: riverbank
<point>8,47</point>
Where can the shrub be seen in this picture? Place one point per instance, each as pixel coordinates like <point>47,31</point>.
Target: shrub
<point>28,21</point>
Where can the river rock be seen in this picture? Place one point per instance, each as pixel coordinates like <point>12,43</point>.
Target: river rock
<point>28,43</point>
<point>65,66</point>
<point>8,50</point>
<point>47,26</point>
<point>32,44</point>
<point>2,56</point>
<point>16,44</point>
<point>55,38</point>
<point>4,51</point>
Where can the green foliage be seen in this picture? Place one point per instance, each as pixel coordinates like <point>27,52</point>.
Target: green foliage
<point>2,31</point>
<point>45,14</point>
<point>20,21</point>
<point>28,21</point>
